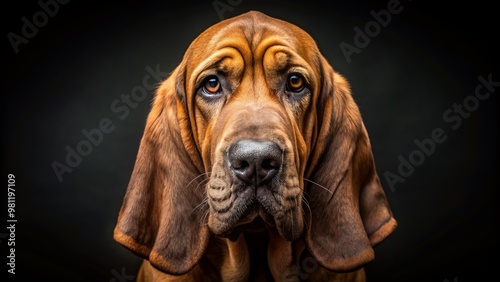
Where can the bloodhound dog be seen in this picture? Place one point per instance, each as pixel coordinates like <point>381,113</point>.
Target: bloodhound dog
<point>254,165</point>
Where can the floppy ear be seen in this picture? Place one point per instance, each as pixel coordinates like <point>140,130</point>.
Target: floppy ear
<point>347,222</point>
<point>159,219</point>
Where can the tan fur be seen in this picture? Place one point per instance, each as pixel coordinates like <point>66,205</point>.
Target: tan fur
<point>181,212</point>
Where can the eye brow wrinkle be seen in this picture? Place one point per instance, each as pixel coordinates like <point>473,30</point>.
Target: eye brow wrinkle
<point>223,61</point>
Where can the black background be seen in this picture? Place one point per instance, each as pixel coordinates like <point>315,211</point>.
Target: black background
<point>66,77</point>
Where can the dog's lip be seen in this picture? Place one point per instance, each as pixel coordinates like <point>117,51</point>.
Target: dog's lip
<point>258,224</point>
<point>255,219</point>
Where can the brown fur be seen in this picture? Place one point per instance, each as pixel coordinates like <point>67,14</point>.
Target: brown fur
<point>181,212</point>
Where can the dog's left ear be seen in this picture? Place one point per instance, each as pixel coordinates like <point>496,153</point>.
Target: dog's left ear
<point>355,216</point>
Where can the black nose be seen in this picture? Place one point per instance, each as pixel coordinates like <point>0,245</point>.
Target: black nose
<point>255,161</point>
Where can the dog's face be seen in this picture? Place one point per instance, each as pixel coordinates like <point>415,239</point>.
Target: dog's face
<point>255,87</point>
<point>256,116</point>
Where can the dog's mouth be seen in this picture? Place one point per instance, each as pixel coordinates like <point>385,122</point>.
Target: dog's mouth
<point>241,211</point>
<point>255,219</point>
<point>255,210</point>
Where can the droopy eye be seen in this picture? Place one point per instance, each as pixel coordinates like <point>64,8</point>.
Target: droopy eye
<point>212,86</point>
<point>295,83</point>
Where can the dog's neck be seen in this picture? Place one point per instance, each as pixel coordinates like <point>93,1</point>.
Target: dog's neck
<point>253,256</point>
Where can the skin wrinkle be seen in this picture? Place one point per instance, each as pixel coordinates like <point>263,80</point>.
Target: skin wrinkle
<point>259,54</point>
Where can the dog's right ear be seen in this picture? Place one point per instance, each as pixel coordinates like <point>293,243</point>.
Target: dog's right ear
<point>159,219</point>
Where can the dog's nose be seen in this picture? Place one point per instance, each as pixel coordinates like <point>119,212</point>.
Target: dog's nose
<point>255,161</point>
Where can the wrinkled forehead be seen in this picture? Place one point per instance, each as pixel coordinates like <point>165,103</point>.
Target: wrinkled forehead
<point>251,36</point>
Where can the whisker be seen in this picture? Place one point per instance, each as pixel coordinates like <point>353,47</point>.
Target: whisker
<point>204,219</point>
<point>194,179</point>
<point>319,185</point>
<point>306,203</point>
<point>198,206</point>
<point>201,183</point>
